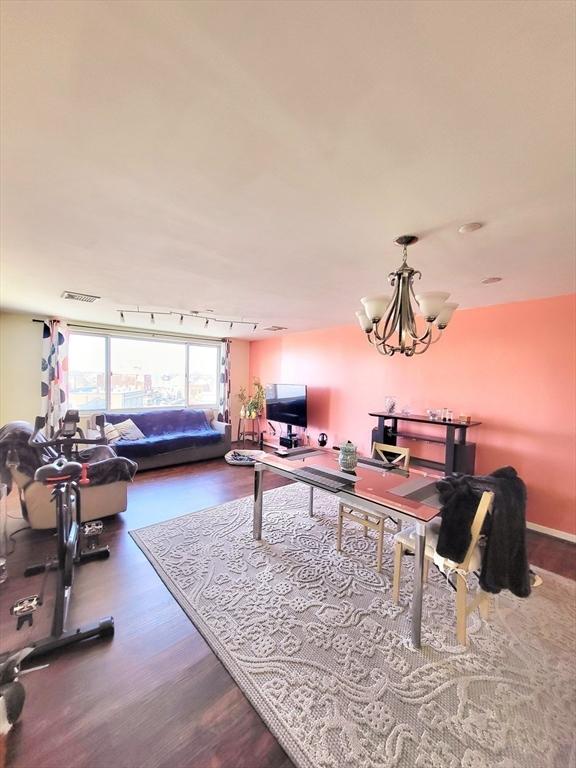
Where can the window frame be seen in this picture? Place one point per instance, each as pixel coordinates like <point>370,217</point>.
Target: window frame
<point>156,338</point>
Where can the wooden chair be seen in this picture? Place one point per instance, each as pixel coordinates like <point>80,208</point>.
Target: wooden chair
<point>373,522</point>
<point>472,562</point>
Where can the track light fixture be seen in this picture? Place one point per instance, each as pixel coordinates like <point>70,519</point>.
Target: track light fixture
<point>181,315</point>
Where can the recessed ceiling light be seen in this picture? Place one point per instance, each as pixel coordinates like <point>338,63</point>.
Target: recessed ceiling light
<point>490,280</point>
<point>471,226</point>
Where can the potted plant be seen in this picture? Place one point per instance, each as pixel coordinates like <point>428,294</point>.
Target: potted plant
<point>252,406</point>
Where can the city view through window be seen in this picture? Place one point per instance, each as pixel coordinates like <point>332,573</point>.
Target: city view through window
<point>114,373</point>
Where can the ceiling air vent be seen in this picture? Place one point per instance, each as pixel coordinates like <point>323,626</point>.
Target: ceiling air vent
<point>276,328</point>
<point>79,297</point>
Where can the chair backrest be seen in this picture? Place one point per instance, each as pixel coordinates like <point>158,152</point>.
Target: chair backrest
<point>484,506</point>
<point>379,451</point>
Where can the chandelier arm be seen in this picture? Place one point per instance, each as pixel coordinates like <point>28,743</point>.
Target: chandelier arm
<point>424,345</point>
<point>392,315</point>
<point>385,349</point>
<point>382,347</point>
<point>434,340</point>
<point>420,339</point>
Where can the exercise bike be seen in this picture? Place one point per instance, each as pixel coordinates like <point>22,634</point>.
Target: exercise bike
<point>66,476</point>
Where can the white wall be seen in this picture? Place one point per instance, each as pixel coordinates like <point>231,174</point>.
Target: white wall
<point>20,355</point>
<point>20,350</point>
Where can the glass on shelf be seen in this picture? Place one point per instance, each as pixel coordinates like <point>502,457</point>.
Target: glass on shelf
<point>389,404</point>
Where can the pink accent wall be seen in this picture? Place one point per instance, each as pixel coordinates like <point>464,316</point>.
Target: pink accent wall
<point>510,366</point>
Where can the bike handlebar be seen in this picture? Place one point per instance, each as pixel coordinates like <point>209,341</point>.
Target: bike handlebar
<point>59,439</point>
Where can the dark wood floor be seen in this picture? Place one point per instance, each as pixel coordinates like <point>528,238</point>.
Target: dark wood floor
<point>155,695</point>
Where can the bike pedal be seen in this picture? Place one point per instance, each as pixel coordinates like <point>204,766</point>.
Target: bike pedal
<point>93,528</point>
<point>24,610</point>
<point>92,531</point>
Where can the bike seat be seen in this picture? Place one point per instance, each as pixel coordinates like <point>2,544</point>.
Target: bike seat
<point>57,472</point>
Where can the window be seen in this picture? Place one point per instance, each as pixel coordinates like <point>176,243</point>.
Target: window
<point>146,374</point>
<point>203,375</point>
<point>87,372</point>
<point>108,372</point>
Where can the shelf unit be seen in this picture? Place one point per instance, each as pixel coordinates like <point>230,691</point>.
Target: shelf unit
<point>459,455</point>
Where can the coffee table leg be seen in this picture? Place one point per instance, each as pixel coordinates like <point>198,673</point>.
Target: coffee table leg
<point>417,593</point>
<point>258,501</point>
<point>311,502</point>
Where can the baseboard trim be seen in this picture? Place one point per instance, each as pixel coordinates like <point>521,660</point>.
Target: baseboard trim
<point>552,532</point>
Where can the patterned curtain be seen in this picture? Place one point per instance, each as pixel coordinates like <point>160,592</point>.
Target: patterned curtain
<point>54,375</point>
<point>224,409</point>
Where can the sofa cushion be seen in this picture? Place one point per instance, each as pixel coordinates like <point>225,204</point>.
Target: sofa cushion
<point>128,430</point>
<point>150,446</point>
<point>111,433</point>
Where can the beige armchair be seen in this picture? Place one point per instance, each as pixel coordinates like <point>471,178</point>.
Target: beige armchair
<point>109,475</point>
<point>97,501</point>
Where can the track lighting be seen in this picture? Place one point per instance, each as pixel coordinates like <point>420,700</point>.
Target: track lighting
<point>181,315</point>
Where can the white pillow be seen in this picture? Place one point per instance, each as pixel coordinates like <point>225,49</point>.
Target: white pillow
<point>112,434</point>
<point>129,431</point>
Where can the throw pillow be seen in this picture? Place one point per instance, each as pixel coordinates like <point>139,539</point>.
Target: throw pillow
<point>112,434</point>
<point>129,431</point>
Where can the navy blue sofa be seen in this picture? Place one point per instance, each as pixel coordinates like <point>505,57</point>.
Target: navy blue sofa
<point>173,436</point>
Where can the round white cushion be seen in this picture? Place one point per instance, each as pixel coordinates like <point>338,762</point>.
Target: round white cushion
<point>249,458</point>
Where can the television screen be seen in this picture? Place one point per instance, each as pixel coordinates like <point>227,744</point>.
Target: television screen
<point>286,403</point>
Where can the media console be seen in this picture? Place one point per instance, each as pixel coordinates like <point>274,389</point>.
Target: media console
<point>459,455</point>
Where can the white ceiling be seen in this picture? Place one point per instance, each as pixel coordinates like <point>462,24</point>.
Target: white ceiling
<point>259,158</point>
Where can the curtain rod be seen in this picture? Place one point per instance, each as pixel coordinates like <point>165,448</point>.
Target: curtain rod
<point>138,332</point>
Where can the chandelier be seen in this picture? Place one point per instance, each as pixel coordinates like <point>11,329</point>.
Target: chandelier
<point>390,323</point>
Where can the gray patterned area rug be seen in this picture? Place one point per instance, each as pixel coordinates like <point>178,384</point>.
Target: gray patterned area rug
<point>313,639</point>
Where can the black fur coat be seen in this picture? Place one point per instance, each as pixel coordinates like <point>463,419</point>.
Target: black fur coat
<point>504,560</point>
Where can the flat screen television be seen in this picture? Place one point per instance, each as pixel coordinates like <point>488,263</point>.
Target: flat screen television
<point>287,403</point>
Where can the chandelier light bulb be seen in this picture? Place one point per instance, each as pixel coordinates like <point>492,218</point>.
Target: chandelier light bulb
<point>445,314</point>
<point>375,307</point>
<point>431,303</point>
<point>364,320</point>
